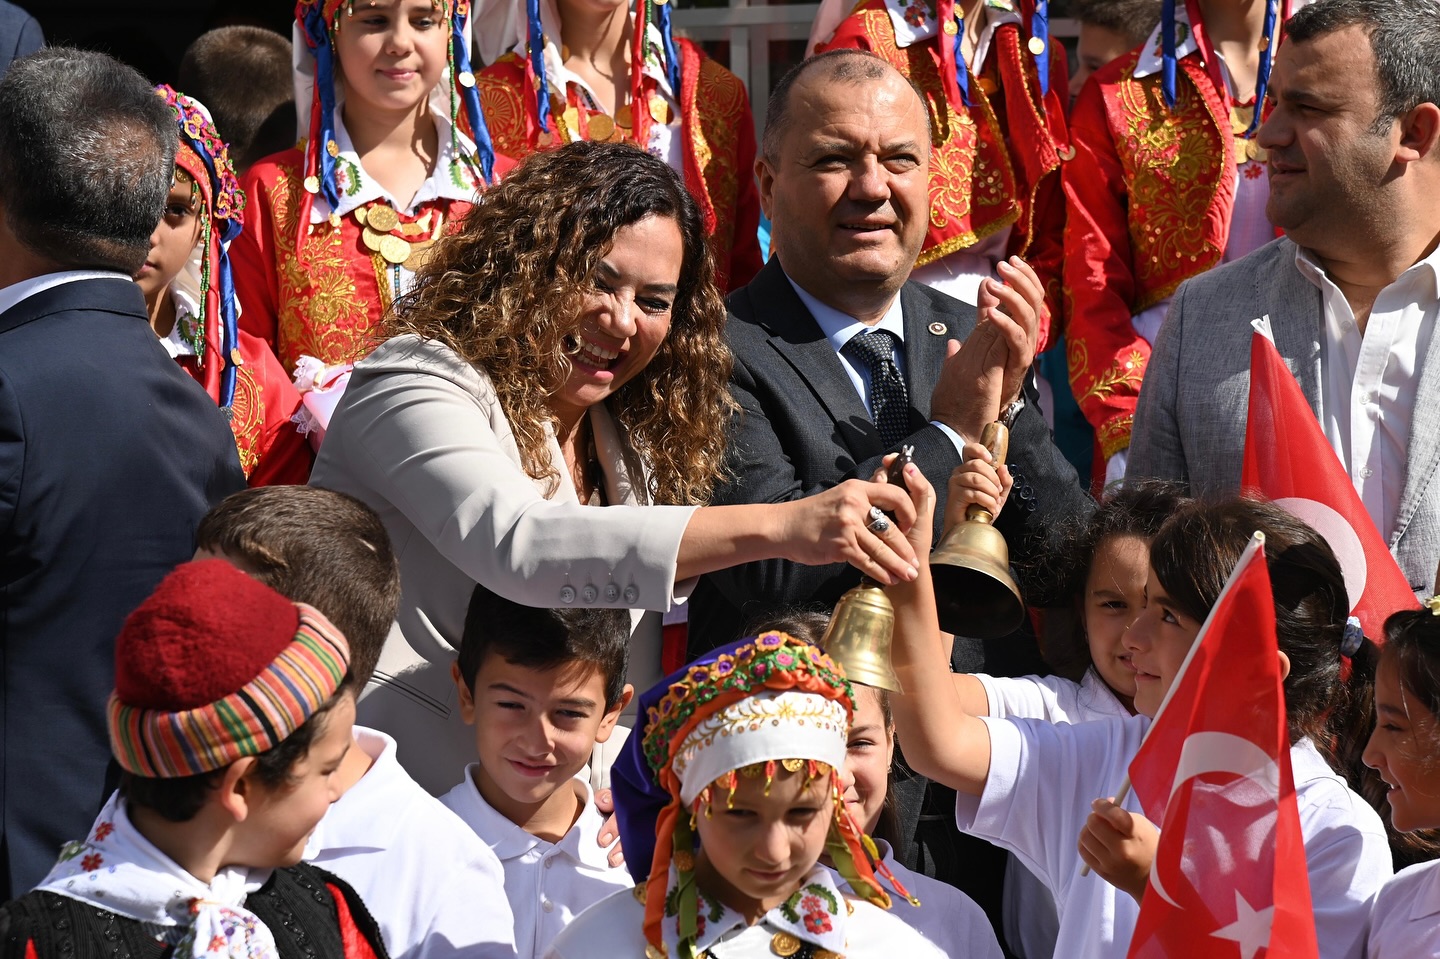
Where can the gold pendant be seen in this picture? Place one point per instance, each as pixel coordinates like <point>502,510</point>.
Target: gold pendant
<point>601,126</point>
<point>419,253</point>
<point>382,218</point>
<point>394,249</point>
<point>783,944</point>
<point>659,109</point>
<point>371,239</point>
<point>360,215</point>
<point>624,117</point>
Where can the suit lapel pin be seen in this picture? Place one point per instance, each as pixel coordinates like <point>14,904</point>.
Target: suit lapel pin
<point>939,329</point>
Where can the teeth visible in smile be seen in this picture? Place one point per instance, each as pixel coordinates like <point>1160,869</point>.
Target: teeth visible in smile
<point>593,352</point>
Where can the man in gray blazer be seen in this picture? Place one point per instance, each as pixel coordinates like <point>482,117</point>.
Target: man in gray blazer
<point>1351,292</point>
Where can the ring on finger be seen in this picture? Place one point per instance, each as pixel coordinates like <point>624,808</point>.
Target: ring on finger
<point>879,522</point>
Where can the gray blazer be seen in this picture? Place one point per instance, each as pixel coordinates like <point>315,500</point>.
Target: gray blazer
<point>1190,422</point>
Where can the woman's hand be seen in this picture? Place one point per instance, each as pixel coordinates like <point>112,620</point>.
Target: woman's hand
<point>1120,846</point>
<point>977,481</point>
<point>835,527</point>
<point>922,498</point>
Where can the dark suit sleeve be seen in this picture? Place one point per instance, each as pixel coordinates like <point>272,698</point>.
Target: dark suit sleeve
<point>761,472</point>
<point>12,456</point>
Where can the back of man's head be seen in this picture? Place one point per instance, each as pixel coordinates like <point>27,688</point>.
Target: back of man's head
<point>1404,37</point>
<point>243,76</point>
<point>87,153</point>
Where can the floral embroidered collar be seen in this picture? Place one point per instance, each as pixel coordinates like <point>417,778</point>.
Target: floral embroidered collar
<point>816,913</point>
<point>916,20</point>
<point>451,179</point>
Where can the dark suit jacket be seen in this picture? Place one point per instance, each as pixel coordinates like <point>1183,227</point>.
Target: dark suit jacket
<point>109,456</point>
<point>19,34</point>
<point>803,428</point>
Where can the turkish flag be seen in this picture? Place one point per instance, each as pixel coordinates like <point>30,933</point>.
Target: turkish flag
<point>1288,459</point>
<point>1229,879</point>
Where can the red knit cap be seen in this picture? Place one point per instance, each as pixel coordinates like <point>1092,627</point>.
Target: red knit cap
<point>206,631</point>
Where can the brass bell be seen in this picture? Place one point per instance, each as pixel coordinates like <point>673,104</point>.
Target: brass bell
<point>859,634</point>
<point>974,592</point>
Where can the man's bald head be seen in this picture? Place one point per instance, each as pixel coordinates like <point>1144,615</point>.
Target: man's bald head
<point>833,66</point>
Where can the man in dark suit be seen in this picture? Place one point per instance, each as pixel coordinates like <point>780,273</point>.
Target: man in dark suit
<point>109,453</point>
<point>843,176</point>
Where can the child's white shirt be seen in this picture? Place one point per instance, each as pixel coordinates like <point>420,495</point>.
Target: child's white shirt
<point>435,890</point>
<point>548,884</point>
<point>614,929</point>
<point>1405,923</point>
<point>946,916</point>
<point>1054,699</point>
<point>1044,776</point>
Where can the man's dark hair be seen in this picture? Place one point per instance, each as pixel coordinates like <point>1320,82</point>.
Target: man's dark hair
<point>87,155</point>
<point>840,66</point>
<point>243,76</point>
<point>543,639</point>
<point>319,547</point>
<point>1132,19</point>
<point>1405,38</point>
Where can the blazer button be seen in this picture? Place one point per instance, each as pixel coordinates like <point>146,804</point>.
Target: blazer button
<point>567,594</point>
<point>589,594</point>
<point>612,592</point>
<point>632,595</point>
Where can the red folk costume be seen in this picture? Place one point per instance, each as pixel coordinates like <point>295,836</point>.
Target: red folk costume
<point>239,371</point>
<point>998,131</point>
<point>327,249</point>
<point>1168,181</point>
<point>684,108</point>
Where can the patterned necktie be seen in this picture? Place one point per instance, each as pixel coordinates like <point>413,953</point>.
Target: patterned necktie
<point>889,401</point>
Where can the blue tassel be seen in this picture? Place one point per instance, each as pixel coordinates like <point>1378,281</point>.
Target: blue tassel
<point>1040,30</point>
<point>1167,49</point>
<point>229,330</point>
<point>319,33</point>
<point>484,146</point>
<point>536,41</point>
<point>672,56</point>
<point>1267,57</point>
<point>962,71</point>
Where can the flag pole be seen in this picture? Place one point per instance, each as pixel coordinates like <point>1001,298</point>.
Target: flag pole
<point>1256,545</point>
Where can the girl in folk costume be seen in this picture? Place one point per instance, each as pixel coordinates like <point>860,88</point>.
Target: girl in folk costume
<point>1168,182</point>
<point>609,74</point>
<point>995,84</point>
<point>736,787</point>
<point>190,291</point>
<point>230,714</point>
<point>394,152</point>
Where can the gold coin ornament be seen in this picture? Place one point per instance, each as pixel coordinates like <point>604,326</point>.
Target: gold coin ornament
<point>371,239</point>
<point>601,126</point>
<point>383,219</point>
<point>394,249</point>
<point>950,28</point>
<point>1036,45</point>
<point>312,184</point>
<point>1246,148</point>
<point>987,86</point>
<point>785,945</point>
<point>361,215</point>
<point>419,253</point>
<point>659,109</point>
<point>467,79</point>
<point>624,117</point>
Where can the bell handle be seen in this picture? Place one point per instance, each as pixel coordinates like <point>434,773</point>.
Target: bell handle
<point>996,439</point>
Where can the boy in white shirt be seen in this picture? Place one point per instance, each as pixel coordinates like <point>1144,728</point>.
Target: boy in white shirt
<point>434,889</point>
<point>541,687</point>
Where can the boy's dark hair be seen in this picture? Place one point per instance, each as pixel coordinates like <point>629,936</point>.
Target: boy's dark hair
<point>180,799</point>
<point>538,638</point>
<point>320,547</point>
<point>243,76</point>
<point>1132,19</point>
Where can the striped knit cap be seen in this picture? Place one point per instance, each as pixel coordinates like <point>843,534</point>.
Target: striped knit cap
<point>216,666</point>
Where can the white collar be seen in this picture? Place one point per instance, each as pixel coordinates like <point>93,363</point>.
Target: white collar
<point>509,841</point>
<point>915,20</point>
<point>816,913</point>
<point>450,178</point>
<point>182,338</point>
<point>350,823</point>
<point>840,327</point>
<point>1310,268</point>
<point>1152,53</point>
<point>15,292</point>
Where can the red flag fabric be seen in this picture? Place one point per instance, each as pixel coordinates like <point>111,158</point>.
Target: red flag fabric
<point>1229,877</point>
<point>1288,459</point>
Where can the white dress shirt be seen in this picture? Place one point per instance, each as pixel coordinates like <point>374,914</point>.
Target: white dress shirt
<point>1368,382</point>
<point>839,328</point>
<point>548,884</point>
<point>1405,923</point>
<point>15,292</point>
<point>435,890</point>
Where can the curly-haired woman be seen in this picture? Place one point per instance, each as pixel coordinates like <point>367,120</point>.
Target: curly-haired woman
<point>563,351</point>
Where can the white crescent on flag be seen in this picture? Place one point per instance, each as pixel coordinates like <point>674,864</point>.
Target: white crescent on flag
<point>1340,535</point>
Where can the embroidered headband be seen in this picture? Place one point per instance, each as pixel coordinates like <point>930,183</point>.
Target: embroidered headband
<point>316,22</point>
<point>206,158</point>
<point>768,702</point>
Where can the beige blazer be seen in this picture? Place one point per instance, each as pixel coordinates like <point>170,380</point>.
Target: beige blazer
<point>421,437</point>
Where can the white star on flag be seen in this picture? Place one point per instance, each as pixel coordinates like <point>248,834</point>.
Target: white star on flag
<point>1250,930</point>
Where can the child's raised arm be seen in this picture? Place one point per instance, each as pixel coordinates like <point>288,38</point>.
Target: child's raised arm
<point>977,481</point>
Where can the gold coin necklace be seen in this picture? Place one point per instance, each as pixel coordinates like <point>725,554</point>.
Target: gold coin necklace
<point>396,242</point>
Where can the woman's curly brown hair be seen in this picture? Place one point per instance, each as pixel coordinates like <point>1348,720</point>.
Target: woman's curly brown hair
<point>505,290</point>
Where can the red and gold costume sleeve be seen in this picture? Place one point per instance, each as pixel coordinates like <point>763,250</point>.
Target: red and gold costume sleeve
<point>718,134</point>
<point>323,296</point>
<point>1149,196</point>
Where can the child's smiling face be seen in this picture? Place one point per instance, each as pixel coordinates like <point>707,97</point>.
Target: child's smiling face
<point>1402,750</point>
<point>391,53</point>
<point>755,849</point>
